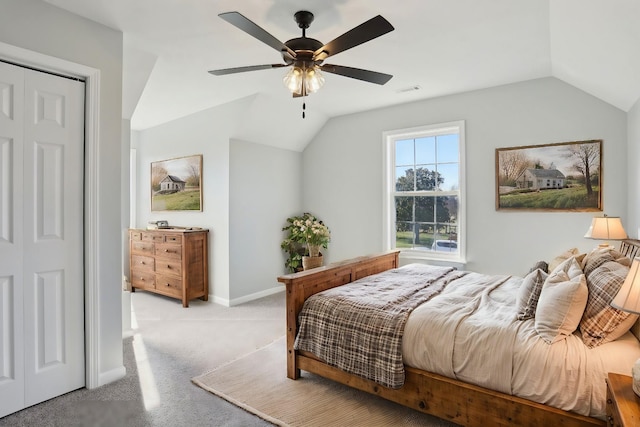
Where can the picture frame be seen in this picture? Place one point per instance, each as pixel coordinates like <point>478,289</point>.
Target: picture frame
<point>176,184</point>
<point>557,177</point>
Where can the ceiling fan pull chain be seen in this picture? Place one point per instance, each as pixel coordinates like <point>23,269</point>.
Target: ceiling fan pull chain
<point>304,107</point>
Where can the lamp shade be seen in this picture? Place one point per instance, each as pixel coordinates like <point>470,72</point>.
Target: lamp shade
<point>606,228</point>
<point>628,297</point>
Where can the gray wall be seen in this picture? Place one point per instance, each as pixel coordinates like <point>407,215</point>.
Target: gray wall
<point>249,190</point>
<point>343,167</point>
<point>265,189</point>
<point>207,133</point>
<point>39,27</point>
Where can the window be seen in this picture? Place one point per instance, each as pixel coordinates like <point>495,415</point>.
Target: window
<point>424,191</point>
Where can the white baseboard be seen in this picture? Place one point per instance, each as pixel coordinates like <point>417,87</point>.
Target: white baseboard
<point>246,298</point>
<point>127,330</point>
<point>111,376</point>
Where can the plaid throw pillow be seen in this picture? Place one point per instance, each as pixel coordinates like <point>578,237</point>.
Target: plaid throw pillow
<point>597,257</point>
<point>600,322</point>
<point>528,294</point>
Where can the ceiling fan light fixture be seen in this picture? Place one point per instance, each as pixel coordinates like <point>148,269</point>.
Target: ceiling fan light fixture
<point>313,80</point>
<point>299,78</point>
<point>293,80</point>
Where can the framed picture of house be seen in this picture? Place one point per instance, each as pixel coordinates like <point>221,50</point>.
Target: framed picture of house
<point>176,184</point>
<point>565,176</point>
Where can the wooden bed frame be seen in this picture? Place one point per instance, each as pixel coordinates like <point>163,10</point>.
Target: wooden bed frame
<point>443,397</point>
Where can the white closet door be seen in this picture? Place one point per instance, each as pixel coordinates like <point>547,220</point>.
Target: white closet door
<point>48,275</point>
<point>11,239</point>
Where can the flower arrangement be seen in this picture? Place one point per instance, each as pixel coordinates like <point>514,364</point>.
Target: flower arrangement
<point>307,234</point>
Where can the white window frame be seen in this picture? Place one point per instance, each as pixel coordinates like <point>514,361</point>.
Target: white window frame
<point>389,213</point>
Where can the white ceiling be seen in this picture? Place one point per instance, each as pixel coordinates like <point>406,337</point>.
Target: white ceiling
<point>442,46</point>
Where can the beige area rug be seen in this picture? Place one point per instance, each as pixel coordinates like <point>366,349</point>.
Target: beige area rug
<point>258,383</point>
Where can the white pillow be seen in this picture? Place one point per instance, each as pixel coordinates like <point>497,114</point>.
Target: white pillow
<point>562,302</point>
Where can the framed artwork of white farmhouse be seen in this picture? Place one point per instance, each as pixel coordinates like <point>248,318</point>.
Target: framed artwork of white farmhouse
<point>176,184</point>
<point>565,176</point>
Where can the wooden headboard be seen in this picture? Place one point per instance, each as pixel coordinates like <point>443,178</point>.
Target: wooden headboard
<point>630,248</point>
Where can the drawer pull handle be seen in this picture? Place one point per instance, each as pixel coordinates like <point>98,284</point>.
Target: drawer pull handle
<point>169,267</point>
<point>168,284</point>
<point>142,278</point>
<point>142,262</point>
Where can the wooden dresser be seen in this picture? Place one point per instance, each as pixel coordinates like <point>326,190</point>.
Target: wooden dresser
<point>171,262</point>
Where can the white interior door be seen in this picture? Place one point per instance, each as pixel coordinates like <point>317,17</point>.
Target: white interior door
<point>42,210</point>
<point>11,240</point>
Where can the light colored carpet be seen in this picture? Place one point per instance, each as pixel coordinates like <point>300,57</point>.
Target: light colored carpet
<point>258,383</point>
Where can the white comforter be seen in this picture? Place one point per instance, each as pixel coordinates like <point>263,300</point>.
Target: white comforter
<point>470,332</point>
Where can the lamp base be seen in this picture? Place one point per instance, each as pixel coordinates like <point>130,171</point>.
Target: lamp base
<point>635,373</point>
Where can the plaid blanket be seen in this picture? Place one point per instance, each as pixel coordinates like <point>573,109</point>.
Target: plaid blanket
<point>358,327</point>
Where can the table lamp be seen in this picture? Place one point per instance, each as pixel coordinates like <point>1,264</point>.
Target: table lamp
<point>606,228</point>
<point>628,299</point>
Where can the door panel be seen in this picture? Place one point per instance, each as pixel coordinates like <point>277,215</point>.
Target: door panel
<point>49,192</point>
<point>53,264</point>
<point>11,239</point>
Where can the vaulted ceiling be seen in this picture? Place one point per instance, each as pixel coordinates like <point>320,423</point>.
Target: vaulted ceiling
<point>440,47</point>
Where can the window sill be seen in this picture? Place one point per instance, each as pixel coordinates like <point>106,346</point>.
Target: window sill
<point>408,257</point>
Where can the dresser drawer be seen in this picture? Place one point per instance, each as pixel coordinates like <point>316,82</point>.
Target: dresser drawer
<point>142,248</point>
<point>143,279</point>
<point>173,238</point>
<point>153,237</point>
<point>169,285</point>
<point>169,266</point>
<point>141,262</point>
<point>168,250</point>
<point>136,235</point>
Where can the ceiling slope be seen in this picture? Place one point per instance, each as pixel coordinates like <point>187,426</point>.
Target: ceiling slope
<point>440,46</point>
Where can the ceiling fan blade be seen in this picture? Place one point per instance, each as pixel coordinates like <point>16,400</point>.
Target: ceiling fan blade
<point>251,28</point>
<point>374,27</point>
<point>244,69</point>
<point>357,73</point>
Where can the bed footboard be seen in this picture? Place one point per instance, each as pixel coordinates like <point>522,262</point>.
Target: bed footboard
<point>455,401</point>
<point>300,286</point>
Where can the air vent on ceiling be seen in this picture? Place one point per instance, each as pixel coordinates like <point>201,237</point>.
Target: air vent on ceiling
<point>408,89</point>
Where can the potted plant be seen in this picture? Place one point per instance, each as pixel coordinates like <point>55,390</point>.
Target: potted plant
<point>306,235</point>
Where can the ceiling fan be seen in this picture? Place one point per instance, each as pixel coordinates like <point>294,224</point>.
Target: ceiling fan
<point>306,56</point>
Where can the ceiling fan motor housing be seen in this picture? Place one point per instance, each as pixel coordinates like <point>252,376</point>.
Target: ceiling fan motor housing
<point>304,48</point>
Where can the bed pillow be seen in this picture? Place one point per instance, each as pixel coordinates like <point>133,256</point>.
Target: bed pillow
<point>600,322</point>
<point>562,302</point>
<point>542,265</point>
<point>554,263</point>
<point>528,294</point>
<point>599,256</point>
